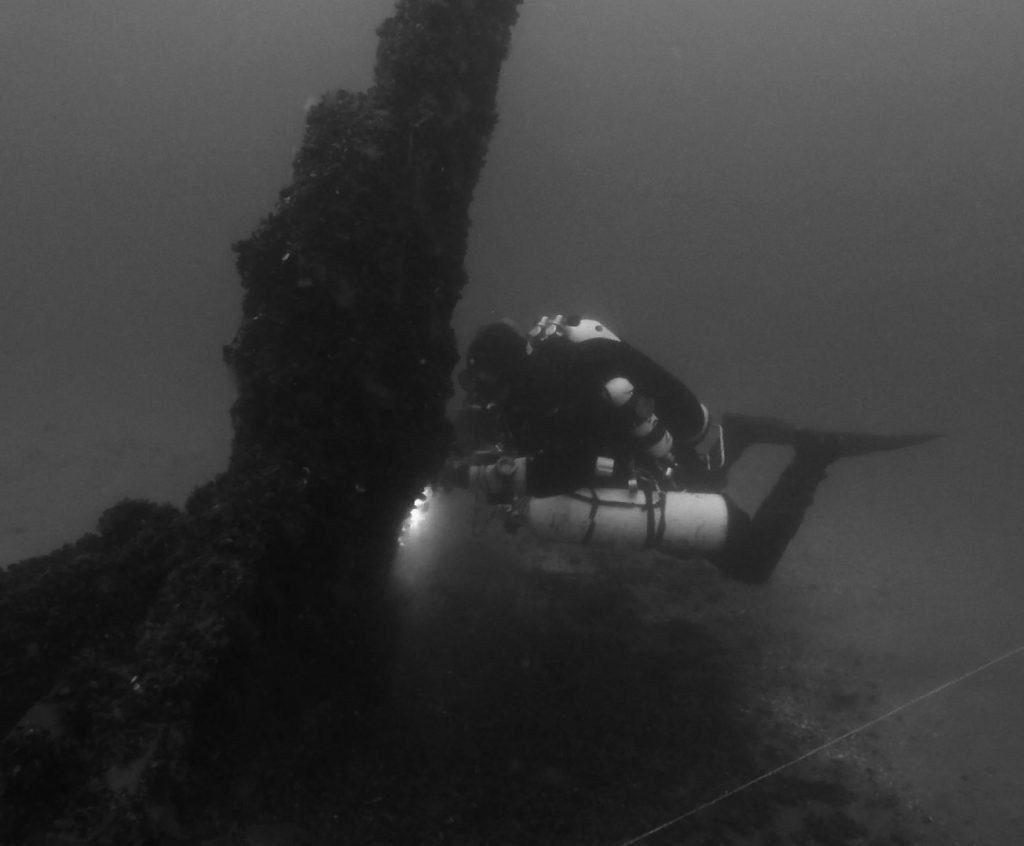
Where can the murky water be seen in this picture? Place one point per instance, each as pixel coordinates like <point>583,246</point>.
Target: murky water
<point>805,209</point>
<point>942,723</point>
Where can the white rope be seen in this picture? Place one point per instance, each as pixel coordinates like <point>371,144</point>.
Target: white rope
<point>824,746</point>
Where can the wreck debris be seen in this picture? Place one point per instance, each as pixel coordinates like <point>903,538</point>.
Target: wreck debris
<point>141,660</point>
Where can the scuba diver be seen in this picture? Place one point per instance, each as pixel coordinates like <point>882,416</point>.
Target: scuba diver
<point>554,415</point>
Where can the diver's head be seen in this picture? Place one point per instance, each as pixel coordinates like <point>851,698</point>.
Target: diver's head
<point>495,355</point>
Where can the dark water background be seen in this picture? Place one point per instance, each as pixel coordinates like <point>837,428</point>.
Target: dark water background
<point>807,209</point>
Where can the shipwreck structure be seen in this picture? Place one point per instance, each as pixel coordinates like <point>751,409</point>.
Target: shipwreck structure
<point>222,674</point>
<point>142,662</point>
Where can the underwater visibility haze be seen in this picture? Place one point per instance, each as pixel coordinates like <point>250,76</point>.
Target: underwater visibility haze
<point>810,210</point>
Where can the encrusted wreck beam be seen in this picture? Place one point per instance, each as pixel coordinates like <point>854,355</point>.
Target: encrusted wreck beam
<point>135,661</point>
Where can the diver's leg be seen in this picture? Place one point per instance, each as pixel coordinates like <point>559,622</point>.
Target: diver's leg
<point>706,466</point>
<point>755,546</point>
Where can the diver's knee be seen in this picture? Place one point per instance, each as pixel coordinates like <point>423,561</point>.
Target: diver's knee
<point>740,558</point>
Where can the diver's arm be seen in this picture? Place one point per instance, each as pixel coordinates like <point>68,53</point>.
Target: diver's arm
<point>676,406</point>
<point>637,426</point>
<point>547,474</point>
<point>551,473</point>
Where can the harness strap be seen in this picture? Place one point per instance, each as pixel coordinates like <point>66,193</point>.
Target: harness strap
<point>661,506</point>
<point>649,508</point>
<point>595,503</point>
<point>654,509</point>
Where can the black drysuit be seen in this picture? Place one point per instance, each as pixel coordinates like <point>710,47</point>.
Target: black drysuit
<point>559,414</point>
<point>559,411</point>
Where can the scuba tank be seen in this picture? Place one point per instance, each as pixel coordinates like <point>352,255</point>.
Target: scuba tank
<point>676,522</point>
<point>639,516</point>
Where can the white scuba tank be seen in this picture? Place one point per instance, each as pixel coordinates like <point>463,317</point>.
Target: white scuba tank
<point>676,522</point>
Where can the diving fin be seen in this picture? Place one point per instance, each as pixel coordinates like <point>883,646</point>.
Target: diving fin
<point>843,444</point>
<point>740,431</point>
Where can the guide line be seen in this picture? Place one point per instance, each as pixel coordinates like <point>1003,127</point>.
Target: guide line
<point>908,704</point>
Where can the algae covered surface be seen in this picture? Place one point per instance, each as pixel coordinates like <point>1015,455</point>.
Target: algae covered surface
<point>148,659</point>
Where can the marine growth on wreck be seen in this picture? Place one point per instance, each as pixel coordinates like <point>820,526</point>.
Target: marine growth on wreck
<point>226,673</point>
<point>144,660</point>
